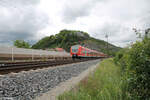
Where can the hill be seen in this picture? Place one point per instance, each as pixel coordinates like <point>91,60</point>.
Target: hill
<point>66,38</point>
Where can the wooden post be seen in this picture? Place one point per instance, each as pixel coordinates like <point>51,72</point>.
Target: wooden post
<point>32,56</point>
<point>12,54</point>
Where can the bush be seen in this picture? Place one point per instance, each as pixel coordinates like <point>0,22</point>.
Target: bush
<point>135,64</point>
<point>121,58</point>
<point>139,70</point>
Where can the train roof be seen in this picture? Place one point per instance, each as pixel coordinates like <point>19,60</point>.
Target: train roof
<point>75,45</point>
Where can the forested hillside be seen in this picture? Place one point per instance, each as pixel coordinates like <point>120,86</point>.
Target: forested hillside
<point>66,38</point>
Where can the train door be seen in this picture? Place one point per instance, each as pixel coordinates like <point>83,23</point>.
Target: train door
<point>81,51</point>
<point>85,52</point>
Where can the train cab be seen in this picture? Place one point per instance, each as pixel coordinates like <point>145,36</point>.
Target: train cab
<point>74,51</point>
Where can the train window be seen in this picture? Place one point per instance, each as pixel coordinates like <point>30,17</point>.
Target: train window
<point>75,48</point>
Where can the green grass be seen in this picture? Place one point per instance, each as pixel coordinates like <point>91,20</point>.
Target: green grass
<point>106,83</point>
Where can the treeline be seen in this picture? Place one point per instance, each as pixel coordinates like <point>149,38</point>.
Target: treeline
<point>64,39</point>
<point>22,44</point>
<point>135,65</point>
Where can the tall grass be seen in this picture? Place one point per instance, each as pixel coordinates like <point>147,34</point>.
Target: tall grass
<point>106,83</point>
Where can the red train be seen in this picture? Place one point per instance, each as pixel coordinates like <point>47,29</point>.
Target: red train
<point>78,51</point>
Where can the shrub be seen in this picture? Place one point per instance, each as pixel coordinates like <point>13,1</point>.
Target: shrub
<point>139,70</point>
<point>121,58</point>
<point>135,65</point>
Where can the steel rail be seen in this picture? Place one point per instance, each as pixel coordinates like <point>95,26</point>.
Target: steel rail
<point>8,67</point>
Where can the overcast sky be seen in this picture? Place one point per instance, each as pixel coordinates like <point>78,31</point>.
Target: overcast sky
<point>33,19</point>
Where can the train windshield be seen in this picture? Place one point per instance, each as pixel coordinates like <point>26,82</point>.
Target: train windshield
<point>75,48</point>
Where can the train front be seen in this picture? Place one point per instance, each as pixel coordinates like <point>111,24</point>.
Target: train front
<point>74,51</point>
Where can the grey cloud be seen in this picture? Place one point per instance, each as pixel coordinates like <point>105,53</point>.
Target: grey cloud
<point>74,9</point>
<point>118,34</point>
<point>70,14</point>
<point>125,14</point>
<point>106,28</point>
<point>122,10</point>
<point>15,3</point>
<point>145,21</point>
<point>21,20</point>
<point>119,9</point>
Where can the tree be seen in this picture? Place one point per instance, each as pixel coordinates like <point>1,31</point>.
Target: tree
<point>21,44</point>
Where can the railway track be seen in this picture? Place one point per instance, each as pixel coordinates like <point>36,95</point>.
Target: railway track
<point>9,67</point>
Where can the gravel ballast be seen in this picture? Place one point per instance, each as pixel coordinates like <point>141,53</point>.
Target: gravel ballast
<point>28,85</point>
